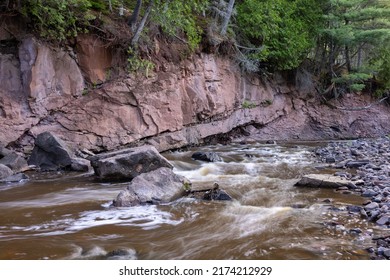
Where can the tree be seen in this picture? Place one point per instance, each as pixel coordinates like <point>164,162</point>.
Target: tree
<point>134,17</point>
<point>227,16</point>
<point>354,31</point>
<point>141,26</point>
<point>177,16</point>
<point>285,30</point>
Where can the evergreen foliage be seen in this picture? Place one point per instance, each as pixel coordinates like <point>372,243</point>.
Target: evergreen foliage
<point>285,29</point>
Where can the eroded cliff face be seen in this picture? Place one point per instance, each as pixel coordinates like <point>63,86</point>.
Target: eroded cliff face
<point>45,89</point>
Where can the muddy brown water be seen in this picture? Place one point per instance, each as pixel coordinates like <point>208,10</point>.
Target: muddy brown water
<point>67,216</point>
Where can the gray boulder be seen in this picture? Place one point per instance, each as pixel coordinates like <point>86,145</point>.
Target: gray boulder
<point>12,160</point>
<point>325,181</point>
<point>127,164</point>
<point>15,178</point>
<point>5,171</point>
<point>50,153</point>
<point>158,186</point>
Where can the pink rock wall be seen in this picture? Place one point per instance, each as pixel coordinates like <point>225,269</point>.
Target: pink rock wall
<point>44,89</point>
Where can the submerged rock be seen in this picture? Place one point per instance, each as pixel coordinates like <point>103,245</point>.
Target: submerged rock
<point>209,193</point>
<point>158,186</point>
<point>15,178</point>
<point>324,181</point>
<point>121,254</point>
<point>206,156</point>
<point>127,164</point>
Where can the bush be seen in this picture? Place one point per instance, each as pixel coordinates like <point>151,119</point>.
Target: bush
<point>58,19</point>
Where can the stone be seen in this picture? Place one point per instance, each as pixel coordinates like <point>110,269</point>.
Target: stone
<point>386,253</point>
<point>205,192</point>
<point>127,164</point>
<point>371,206</point>
<point>206,156</point>
<point>384,220</point>
<point>357,163</point>
<point>121,254</point>
<point>50,153</point>
<point>15,178</point>
<point>158,186</point>
<point>330,160</point>
<point>217,194</point>
<point>369,193</point>
<point>354,208</point>
<point>15,162</point>
<point>80,165</point>
<point>323,181</point>
<point>5,171</point>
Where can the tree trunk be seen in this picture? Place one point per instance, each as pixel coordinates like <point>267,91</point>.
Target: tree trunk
<point>348,59</point>
<point>134,17</point>
<point>227,17</point>
<point>110,5</point>
<point>134,40</point>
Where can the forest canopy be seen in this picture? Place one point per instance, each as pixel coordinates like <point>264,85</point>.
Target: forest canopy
<point>344,43</point>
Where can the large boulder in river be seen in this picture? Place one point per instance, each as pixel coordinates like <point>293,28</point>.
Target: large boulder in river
<point>159,186</point>
<point>50,153</point>
<point>325,181</point>
<point>127,164</point>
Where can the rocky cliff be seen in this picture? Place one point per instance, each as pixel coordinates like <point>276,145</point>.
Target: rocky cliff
<point>44,88</point>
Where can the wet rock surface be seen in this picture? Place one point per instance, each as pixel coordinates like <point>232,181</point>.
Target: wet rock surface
<point>204,192</point>
<point>367,161</point>
<point>206,156</point>
<point>127,164</point>
<point>158,186</point>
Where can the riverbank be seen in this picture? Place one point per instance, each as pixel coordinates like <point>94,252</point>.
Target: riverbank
<point>367,160</point>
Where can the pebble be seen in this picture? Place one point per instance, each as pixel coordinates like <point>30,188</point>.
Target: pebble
<point>367,160</point>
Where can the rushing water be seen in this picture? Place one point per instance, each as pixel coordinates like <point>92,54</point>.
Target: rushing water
<point>67,216</point>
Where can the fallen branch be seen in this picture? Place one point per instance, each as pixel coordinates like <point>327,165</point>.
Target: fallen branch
<point>355,108</point>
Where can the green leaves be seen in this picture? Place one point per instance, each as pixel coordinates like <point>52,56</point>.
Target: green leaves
<point>57,19</point>
<point>283,27</point>
<point>176,15</point>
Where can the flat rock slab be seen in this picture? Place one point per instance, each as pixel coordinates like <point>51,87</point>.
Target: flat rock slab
<point>325,181</point>
<point>127,164</point>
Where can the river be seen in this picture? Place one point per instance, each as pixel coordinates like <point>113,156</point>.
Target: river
<point>68,215</point>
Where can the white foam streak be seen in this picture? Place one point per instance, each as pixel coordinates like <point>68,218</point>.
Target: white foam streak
<point>146,217</point>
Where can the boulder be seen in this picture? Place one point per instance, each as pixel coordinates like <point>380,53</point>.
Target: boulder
<point>127,164</point>
<point>5,171</point>
<point>80,164</point>
<point>206,156</point>
<point>50,153</point>
<point>15,162</point>
<point>324,181</point>
<point>158,186</point>
<point>15,178</point>
<point>384,220</point>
